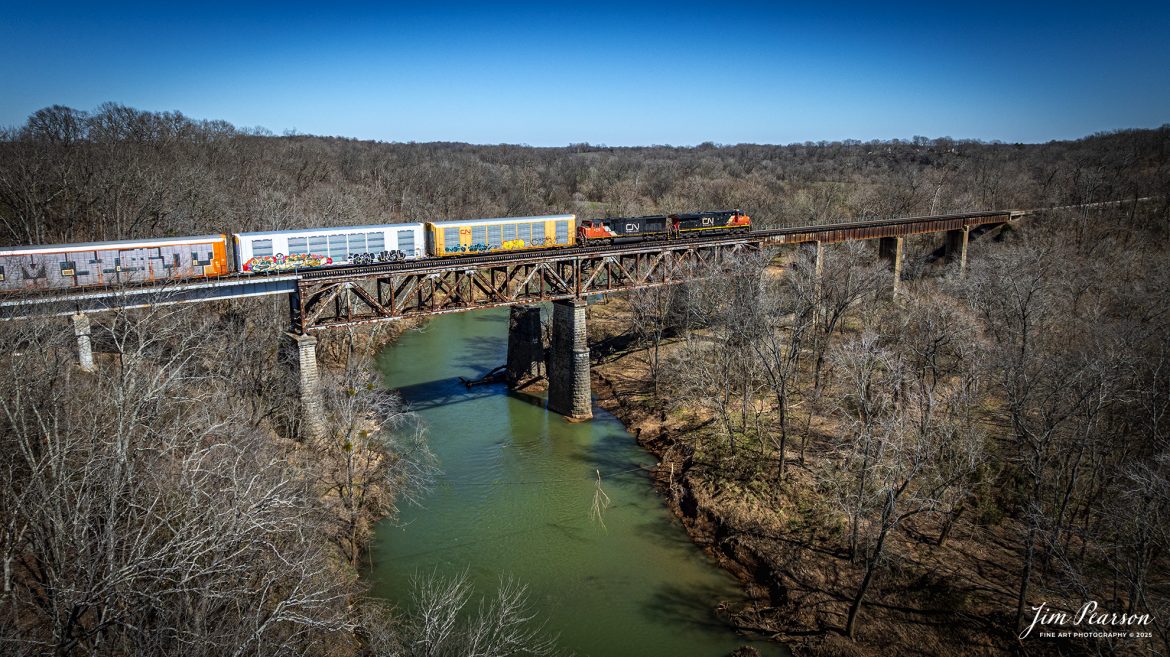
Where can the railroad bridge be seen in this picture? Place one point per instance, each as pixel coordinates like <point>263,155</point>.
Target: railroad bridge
<point>326,298</point>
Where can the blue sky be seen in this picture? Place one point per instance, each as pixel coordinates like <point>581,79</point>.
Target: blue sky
<point>615,73</point>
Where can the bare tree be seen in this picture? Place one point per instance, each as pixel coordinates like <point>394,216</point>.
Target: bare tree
<point>650,311</point>
<point>826,295</point>
<point>787,319</point>
<point>376,455</point>
<point>907,445</point>
<point>137,518</point>
<point>440,623</point>
<point>715,367</point>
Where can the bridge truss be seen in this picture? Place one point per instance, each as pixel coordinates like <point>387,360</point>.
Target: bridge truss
<point>321,303</point>
<point>383,292</point>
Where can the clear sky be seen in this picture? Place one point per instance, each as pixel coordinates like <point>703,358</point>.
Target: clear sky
<point>621,73</point>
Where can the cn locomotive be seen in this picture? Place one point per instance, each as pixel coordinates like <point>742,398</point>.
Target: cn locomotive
<point>662,226</point>
<point>66,266</point>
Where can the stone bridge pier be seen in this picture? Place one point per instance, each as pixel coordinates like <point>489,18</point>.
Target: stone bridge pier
<point>891,250</point>
<point>568,364</point>
<point>525,345</point>
<point>955,247</point>
<point>299,354</point>
<point>84,344</point>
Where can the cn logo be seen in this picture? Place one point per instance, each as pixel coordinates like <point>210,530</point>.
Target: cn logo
<point>708,221</point>
<point>631,228</point>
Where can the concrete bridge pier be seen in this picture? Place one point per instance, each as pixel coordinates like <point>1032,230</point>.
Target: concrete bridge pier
<point>568,369</point>
<point>890,249</point>
<point>299,353</point>
<point>525,345</point>
<point>84,344</point>
<point>816,250</point>
<point>955,247</point>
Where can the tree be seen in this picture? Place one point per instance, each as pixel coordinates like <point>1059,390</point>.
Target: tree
<point>650,311</point>
<point>827,293</point>
<point>439,622</point>
<point>907,445</point>
<point>376,455</point>
<point>715,367</point>
<point>787,319</point>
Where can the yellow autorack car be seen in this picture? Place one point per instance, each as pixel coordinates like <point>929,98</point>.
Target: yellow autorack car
<point>469,236</point>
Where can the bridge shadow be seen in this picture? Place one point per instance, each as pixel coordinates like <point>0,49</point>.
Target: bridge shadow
<point>481,353</point>
<point>443,392</point>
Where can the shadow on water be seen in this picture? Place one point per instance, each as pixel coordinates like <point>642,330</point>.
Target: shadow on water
<point>482,354</point>
<point>615,457</point>
<point>429,395</point>
<point>685,606</point>
<point>667,536</point>
<point>527,398</point>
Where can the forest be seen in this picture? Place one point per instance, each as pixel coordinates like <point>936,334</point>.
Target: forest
<point>120,173</point>
<point>966,448</point>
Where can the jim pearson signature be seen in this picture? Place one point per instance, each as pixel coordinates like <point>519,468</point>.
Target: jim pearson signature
<point>1086,615</point>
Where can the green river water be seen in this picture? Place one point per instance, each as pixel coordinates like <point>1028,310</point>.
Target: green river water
<point>514,499</point>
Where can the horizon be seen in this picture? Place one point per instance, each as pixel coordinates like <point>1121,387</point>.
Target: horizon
<point>605,74</point>
<point>264,132</point>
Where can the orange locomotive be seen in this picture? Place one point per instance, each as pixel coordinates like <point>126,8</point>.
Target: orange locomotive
<point>661,226</point>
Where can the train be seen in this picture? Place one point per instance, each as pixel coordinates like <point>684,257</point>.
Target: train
<point>90,264</point>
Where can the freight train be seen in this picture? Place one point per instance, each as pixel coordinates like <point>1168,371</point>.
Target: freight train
<point>65,266</point>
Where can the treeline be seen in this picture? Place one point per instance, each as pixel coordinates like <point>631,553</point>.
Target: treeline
<point>68,175</point>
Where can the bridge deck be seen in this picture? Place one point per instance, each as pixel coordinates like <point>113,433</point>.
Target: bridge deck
<point>465,282</point>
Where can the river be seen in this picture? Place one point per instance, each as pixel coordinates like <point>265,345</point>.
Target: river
<point>514,500</point>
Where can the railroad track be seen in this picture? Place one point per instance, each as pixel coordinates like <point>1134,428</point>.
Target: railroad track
<point>415,266</point>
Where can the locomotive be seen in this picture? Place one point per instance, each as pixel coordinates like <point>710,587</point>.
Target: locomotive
<point>69,266</point>
<point>661,226</point>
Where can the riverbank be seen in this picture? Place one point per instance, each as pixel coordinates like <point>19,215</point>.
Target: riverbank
<point>785,543</point>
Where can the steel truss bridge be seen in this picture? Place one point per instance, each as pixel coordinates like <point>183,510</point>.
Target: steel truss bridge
<point>345,296</point>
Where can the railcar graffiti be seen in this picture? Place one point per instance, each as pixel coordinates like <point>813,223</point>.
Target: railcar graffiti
<point>281,262</point>
<point>470,248</point>
<point>381,256</point>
